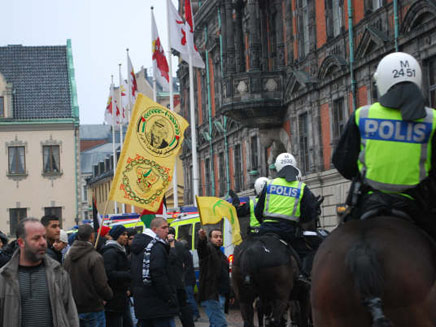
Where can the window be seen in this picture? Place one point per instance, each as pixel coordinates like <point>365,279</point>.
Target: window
<point>303,128</point>
<point>338,119</point>
<point>2,107</point>
<point>15,216</point>
<point>51,158</point>
<point>54,211</point>
<point>373,5</point>
<point>432,82</point>
<point>238,168</point>
<point>222,174</point>
<point>17,162</point>
<point>207,181</point>
<point>334,12</point>
<point>254,153</point>
<point>303,28</point>
<point>185,233</point>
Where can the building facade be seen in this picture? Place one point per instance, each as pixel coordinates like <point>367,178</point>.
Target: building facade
<point>39,135</point>
<point>287,74</point>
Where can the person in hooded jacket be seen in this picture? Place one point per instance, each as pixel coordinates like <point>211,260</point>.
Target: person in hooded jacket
<point>117,270</point>
<point>88,278</point>
<point>388,148</point>
<point>153,287</point>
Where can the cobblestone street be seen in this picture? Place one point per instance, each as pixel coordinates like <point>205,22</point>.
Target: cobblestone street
<point>233,319</point>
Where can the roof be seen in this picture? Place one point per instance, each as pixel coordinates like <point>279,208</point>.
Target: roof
<point>40,81</point>
<point>94,156</point>
<point>95,132</point>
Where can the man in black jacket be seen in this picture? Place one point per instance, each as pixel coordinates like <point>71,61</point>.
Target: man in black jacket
<point>88,278</point>
<point>214,276</point>
<point>153,287</point>
<point>117,271</point>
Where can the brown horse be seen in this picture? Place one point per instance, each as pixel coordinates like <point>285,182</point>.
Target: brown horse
<point>263,267</point>
<point>376,272</point>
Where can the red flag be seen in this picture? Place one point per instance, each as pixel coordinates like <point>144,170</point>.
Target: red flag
<point>160,64</point>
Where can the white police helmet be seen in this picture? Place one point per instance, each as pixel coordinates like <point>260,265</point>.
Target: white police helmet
<point>259,184</point>
<point>395,68</point>
<point>285,159</point>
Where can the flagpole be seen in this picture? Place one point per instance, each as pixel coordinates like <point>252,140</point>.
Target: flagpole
<point>113,133</point>
<point>152,51</point>
<point>170,64</point>
<point>129,91</point>
<point>195,179</point>
<point>129,94</point>
<point>120,103</point>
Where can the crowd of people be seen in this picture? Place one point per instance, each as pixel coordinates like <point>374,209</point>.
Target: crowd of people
<point>129,279</point>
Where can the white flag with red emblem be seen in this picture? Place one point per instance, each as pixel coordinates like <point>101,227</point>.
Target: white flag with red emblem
<point>161,70</point>
<point>182,34</point>
<point>111,117</point>
<point>132,86</point>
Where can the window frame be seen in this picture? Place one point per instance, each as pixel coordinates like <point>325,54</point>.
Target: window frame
<point>51,170</point>
<point>18,217</point>
<point>16,161</point>
<point>303,141</point>
<point>237,164</point>
<point>2,107</point>
<point>339,119</point>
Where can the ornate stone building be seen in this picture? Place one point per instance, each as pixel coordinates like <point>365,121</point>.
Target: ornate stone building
<point>287,74</point>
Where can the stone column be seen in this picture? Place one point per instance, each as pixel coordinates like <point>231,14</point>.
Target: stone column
<point>239,39</point>
<point>254,35</point>
<point>229,37</point>
<point>280,57</point>
<point>289,31</point>
<point>222,9</point>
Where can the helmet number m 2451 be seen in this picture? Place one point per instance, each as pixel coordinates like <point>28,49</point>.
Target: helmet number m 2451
<point>400,73</point>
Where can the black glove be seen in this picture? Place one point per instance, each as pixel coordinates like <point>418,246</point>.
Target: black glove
<point>235,198</point>
<point>319,199</point>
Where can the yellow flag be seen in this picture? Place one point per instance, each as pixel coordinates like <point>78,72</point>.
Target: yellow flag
<point>212,210</point>
<point>145,168</point>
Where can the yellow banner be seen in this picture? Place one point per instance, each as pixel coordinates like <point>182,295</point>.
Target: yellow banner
<point>212,210</point>
<point>145,168</point>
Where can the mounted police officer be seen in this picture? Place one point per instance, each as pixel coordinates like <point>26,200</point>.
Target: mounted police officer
<point>247,209</point>
<point>285,203</point>
<point>387,148</point>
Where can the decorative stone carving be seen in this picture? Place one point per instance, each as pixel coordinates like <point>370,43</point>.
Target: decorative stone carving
<point>270,85</point>
<point>242,87</point>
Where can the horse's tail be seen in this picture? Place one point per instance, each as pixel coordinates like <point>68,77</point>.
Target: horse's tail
<point>249,260</point>
<point>368,280</point>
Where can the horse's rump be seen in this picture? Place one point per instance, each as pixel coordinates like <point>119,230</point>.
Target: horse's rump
<point>384,258</point>
<point>261,252</point>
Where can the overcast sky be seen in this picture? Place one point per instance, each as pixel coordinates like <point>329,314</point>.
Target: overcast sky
<point>100,32</point>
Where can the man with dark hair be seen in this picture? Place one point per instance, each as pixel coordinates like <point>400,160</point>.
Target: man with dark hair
<point>53,228</point>
<point>34,289</point>
<point>117,270</point>
<point>214,276</point>
<point>154,290</point>
<point>88,278</point>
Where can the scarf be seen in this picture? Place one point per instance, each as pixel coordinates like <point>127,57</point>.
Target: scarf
<point>146,278</point>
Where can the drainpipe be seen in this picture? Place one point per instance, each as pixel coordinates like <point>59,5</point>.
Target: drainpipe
<point>396,23</point>
<point>351,43</point>
<point>226,145</point>
<point>209,109</point>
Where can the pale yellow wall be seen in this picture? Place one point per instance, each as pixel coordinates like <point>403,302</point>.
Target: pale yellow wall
<point>35,191</point>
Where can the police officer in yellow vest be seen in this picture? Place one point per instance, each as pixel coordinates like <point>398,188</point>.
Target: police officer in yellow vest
<point>247,209</point>
<point>285,201</point>
<point>387,148</point>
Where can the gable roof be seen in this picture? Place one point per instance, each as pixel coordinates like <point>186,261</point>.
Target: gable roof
<point>40,81</point>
